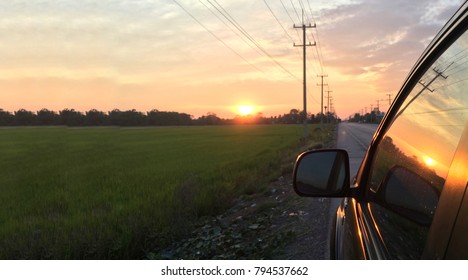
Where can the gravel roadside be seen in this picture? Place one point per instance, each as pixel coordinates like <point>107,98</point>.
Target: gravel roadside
<point>276,224</point>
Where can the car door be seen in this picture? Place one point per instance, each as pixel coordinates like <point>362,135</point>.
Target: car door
<point>403,199</point>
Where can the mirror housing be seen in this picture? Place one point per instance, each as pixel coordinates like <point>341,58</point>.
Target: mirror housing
<point>322,173</point>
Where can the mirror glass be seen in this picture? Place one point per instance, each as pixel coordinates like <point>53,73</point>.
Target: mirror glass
<point>321,173</point>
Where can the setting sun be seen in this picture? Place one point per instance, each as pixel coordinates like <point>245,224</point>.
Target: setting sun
<point>429,161</point>
<point>245,110</point>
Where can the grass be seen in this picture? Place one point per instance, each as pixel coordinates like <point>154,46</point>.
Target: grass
<point>117,193</point>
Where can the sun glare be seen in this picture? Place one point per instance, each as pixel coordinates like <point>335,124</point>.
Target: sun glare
<point>429,161</point>
<point>245,110</point>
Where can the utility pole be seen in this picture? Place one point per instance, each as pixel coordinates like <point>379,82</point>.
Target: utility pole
<point>378,105</point>
<point>389,98</point>
<point>328,105</point>
<point>439,74</point>
<point>322,84</point>
<point>426,86</point>
<point>304,45</point>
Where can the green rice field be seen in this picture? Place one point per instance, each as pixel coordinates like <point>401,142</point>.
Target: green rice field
<point>118,193</point>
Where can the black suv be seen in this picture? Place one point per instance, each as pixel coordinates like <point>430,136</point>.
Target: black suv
<point>409,199</point>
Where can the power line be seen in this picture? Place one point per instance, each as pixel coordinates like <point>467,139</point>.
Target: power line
<point>460,62</point>
<point>312,62</point>
<point>243,31</point>
<point>319,50</point>
<point>297,32</point>
<point>294,7</point>
<point>310,9</point>
<point>289,15</point>
<point>453,57</point>
<point>455,82</point>
<point>288,35</point>
<point>219,39</point>
<point>227,25</point>
<point>282,26</point>
<point>313,97</point>
<point>319,53</point>
<point>303,9</point>
<point>284,29</point>
<point>233,21</point>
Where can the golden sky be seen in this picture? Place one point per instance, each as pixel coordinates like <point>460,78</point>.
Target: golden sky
<point>153,55</point>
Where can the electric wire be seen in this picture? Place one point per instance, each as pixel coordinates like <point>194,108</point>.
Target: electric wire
<point>285,31</point>
<point>219,39</point>
<point>289,15</point>
<point>224,13</point>
<point>243,31</point>
<point>299,38</point>
<point>298,17</point>
<point>310,9</point>
<point>232,29</point>
<point>277,20</point>
<point>304,11</point>
<point>318,40</point>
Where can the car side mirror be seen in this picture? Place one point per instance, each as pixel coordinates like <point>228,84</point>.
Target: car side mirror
<point>408,194</point>
<point>322,173</point>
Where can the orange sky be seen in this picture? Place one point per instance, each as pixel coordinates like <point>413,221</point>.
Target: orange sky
<point>152,55</point>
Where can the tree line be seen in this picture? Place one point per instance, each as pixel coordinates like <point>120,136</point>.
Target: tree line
<point>71,117</point>
<point>372,117</point>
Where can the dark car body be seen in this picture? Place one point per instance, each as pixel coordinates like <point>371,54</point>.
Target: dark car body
<point>409,199</point>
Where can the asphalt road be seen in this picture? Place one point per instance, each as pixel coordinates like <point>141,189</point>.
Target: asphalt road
<point>355,138</point>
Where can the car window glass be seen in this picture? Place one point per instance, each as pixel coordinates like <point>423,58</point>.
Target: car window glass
<point>414,156</point>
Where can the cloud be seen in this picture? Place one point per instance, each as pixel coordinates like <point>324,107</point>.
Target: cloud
<point>359,36</point>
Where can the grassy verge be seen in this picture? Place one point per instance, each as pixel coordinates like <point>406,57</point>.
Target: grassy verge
<point>110,193</point>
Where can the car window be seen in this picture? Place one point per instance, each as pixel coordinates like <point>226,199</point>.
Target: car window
<point>413,158</point>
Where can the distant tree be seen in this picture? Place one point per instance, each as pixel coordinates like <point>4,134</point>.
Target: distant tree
<point>293,117</point>
<point>127,118</point>
<point>95,117</point>
<point>312,118</point>
<point>24,117</point>
<point>133,118</point>
<point>115,117</point>
<point>70,117</point>
<point>156,117</point>
<point>6,118</point>
<point>260,119</point>
<point>209,119</point>
<point>356,118</point>
<point>46,117</point>
<point>294,112</point>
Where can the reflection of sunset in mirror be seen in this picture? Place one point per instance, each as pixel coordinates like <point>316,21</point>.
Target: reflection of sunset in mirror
<point>429,161</point>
